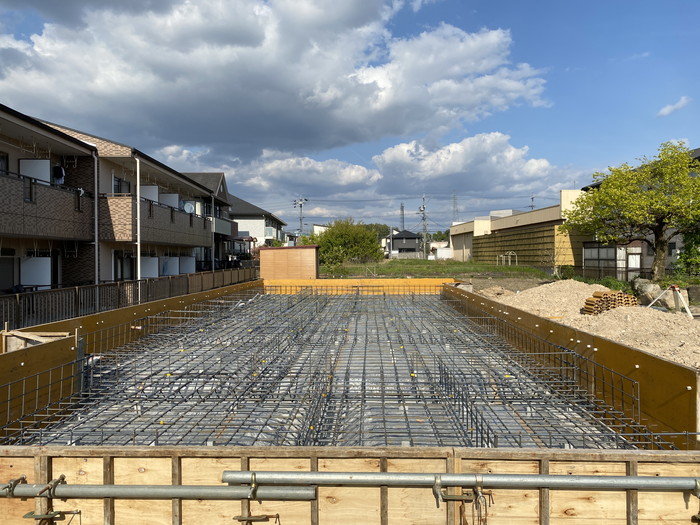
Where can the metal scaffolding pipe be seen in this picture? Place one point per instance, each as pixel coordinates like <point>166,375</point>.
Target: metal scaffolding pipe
<point>491,481</point>
<point>160,492</point>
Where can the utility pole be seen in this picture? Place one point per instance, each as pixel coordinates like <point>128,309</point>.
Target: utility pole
<point>455,210</point>
<point>424,219</point>
<point>299,203</point>
<point>403,227</point>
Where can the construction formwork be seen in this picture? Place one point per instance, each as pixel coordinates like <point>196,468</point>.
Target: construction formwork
<point>314,368</point>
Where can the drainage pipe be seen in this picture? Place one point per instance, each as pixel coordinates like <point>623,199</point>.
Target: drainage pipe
<point>490,481</point>
<point>159,492</point>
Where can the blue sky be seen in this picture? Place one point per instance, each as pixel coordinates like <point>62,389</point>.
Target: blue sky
<point>362,106</point>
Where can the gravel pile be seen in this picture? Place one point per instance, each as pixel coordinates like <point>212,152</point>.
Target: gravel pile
<point>673,336</point>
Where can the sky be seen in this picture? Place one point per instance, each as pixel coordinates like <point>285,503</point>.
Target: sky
<point>360,106</point>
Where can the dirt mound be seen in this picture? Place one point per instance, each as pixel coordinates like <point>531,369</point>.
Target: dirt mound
<point>673,336</point>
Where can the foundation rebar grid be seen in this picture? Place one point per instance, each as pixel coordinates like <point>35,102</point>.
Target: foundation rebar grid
<point>316,369</point>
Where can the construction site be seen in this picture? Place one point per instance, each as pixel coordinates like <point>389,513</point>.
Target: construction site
<point>324,401</point>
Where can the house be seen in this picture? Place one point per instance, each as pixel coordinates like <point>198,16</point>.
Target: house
<point>153,220</point>
<point>403,245</point>
<point>47,211</point>
<point>520,238</point>
<point>227,244</point>
<point>256,223</point>
<point>627,261</point>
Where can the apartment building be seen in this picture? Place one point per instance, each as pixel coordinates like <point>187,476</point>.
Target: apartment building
<point>227,243</point>
<point>153,220</point>
<point>256,223</point>
<point>47,205</point>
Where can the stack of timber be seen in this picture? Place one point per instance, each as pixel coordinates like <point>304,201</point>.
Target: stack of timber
<point>603,301</point>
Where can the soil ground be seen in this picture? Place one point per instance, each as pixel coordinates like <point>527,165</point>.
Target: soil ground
<point>672,336</point>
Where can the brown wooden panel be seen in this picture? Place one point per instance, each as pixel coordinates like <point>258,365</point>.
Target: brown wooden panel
<point>415,506</point>
<point>142,471</point>
<point>588,506</point>
<point>291,512</point>
<point>664,507</point>
<point>81,471</point>
<point>12,510</point>
<point>349,504</point>
<point>513,506</point>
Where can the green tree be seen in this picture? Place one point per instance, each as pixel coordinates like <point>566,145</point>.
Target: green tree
<point>380,230</point>
<point>689,257</point>
<point>346,241</point>
<point>440,236</point>
<point>651,202</point>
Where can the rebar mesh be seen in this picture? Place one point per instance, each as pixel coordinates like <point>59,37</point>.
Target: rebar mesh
<point>321,369</point>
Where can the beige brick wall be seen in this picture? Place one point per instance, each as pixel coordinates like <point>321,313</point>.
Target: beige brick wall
<point>159,224</point>
<point>173,227</point>
<point>51,214</point>
<point>117,219</point>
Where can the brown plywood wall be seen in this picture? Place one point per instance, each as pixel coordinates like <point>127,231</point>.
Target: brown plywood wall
<point>372,505</point>
<point>292,262</point>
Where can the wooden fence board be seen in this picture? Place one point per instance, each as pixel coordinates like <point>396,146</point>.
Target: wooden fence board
<point>415,506</point>
<point>80,471</point>
<point>516,507</point>
<point>291,512</point>
<point>348,504</point>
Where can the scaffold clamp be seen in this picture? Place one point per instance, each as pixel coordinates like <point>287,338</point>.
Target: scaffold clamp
<point>51,486</point>
<point>252,494</point>
<point>10,487</point>
<point>437,491</point>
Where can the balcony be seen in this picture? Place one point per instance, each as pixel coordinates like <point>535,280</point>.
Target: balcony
<point>33,208</point>
<point>160,224</point>
<point>222,226</point>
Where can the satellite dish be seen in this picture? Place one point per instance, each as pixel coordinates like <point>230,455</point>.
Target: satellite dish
<point>189,207</point>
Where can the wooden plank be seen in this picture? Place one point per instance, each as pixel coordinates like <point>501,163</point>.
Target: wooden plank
<point>660,507</point>
<point>207,471</point>
<point>13,509</point>
<point>608,507</point>
<point>290,511</point>
<point>346,504</point>
<point>514,506</point>
<point>81,471</point>
<point>415,506</point>
<point>142,471</point>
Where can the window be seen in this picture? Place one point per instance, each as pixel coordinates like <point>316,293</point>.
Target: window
<point>671,248</point>
<point>121,185</point>
<point>29,191</point>
<point>4,163</point>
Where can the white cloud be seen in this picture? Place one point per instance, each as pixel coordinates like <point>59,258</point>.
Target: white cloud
<point>245,75</point>
<point>670,108</point>
<point>275,169</point>
<point>485,162</point>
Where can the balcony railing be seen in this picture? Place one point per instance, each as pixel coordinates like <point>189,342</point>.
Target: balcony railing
<point>46,306</point>
<point>158,222</point>
<point>41,209</point>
